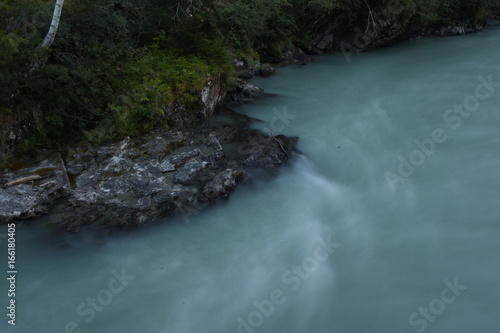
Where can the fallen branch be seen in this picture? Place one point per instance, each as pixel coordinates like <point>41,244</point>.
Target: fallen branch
<point>22,180</point>
<point>48,183</point>
<point>279,144</point>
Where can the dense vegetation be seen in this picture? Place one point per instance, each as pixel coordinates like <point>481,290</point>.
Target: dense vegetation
<point>116,66</point>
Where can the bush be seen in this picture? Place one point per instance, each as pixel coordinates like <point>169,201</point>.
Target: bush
<point>117,66</point>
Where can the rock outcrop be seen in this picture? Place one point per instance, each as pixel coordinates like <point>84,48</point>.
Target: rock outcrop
<point>137,181</point>
<point>324,32</point>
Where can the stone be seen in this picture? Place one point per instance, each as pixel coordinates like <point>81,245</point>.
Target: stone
<point>249,90</point>
<point>222,184</point>
<point>267,70</point>
<point>297,56</point>
<point>190,172</point>
<point>170,163</point>
<point>326,43</point>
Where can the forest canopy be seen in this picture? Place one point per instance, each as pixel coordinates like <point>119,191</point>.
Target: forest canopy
<point>120,63</point>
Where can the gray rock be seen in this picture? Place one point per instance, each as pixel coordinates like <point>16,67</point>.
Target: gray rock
<point>215,144</point>
<point>166,166</point>
<point>249,90</point>
<point>267,70</point>
<point>190,172</point>
<point>24,201</point>
<point>160,144</point>
<point>77,162</point>
<point>297,56</point>
<point>170,163</point>
<point>89,178</point>
<point>222,184</point>
<point>326,43</point>
<point>122,184</point>
<point>239,64</point>
<point>260,150</point>
<point>246,73</point>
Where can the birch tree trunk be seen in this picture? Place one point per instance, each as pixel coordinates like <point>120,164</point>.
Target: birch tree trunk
<point>51,35</point>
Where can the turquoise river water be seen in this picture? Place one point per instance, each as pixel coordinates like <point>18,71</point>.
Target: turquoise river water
<point>388,221</point>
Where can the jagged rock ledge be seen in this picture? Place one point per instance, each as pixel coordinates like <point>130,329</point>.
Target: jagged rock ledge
<point>323,32</point>
<point>135,182</point>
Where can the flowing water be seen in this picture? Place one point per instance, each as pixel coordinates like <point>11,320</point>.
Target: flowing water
<point>342,241</point>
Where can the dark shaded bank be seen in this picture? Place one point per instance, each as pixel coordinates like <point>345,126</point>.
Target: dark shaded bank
<point>326,32</point>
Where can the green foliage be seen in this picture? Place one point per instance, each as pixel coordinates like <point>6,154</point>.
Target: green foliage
<point>160,79</point>
<point>117,67</point>
<point>336,5</point>
<point>98,78</point>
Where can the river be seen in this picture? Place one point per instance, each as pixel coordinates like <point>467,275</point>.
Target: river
<point>388,221</point>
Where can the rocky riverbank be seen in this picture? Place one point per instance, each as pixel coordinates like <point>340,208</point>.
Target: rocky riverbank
<point>137,181</point>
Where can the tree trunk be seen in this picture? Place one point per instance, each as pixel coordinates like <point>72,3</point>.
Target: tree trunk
<point>51,35</point>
